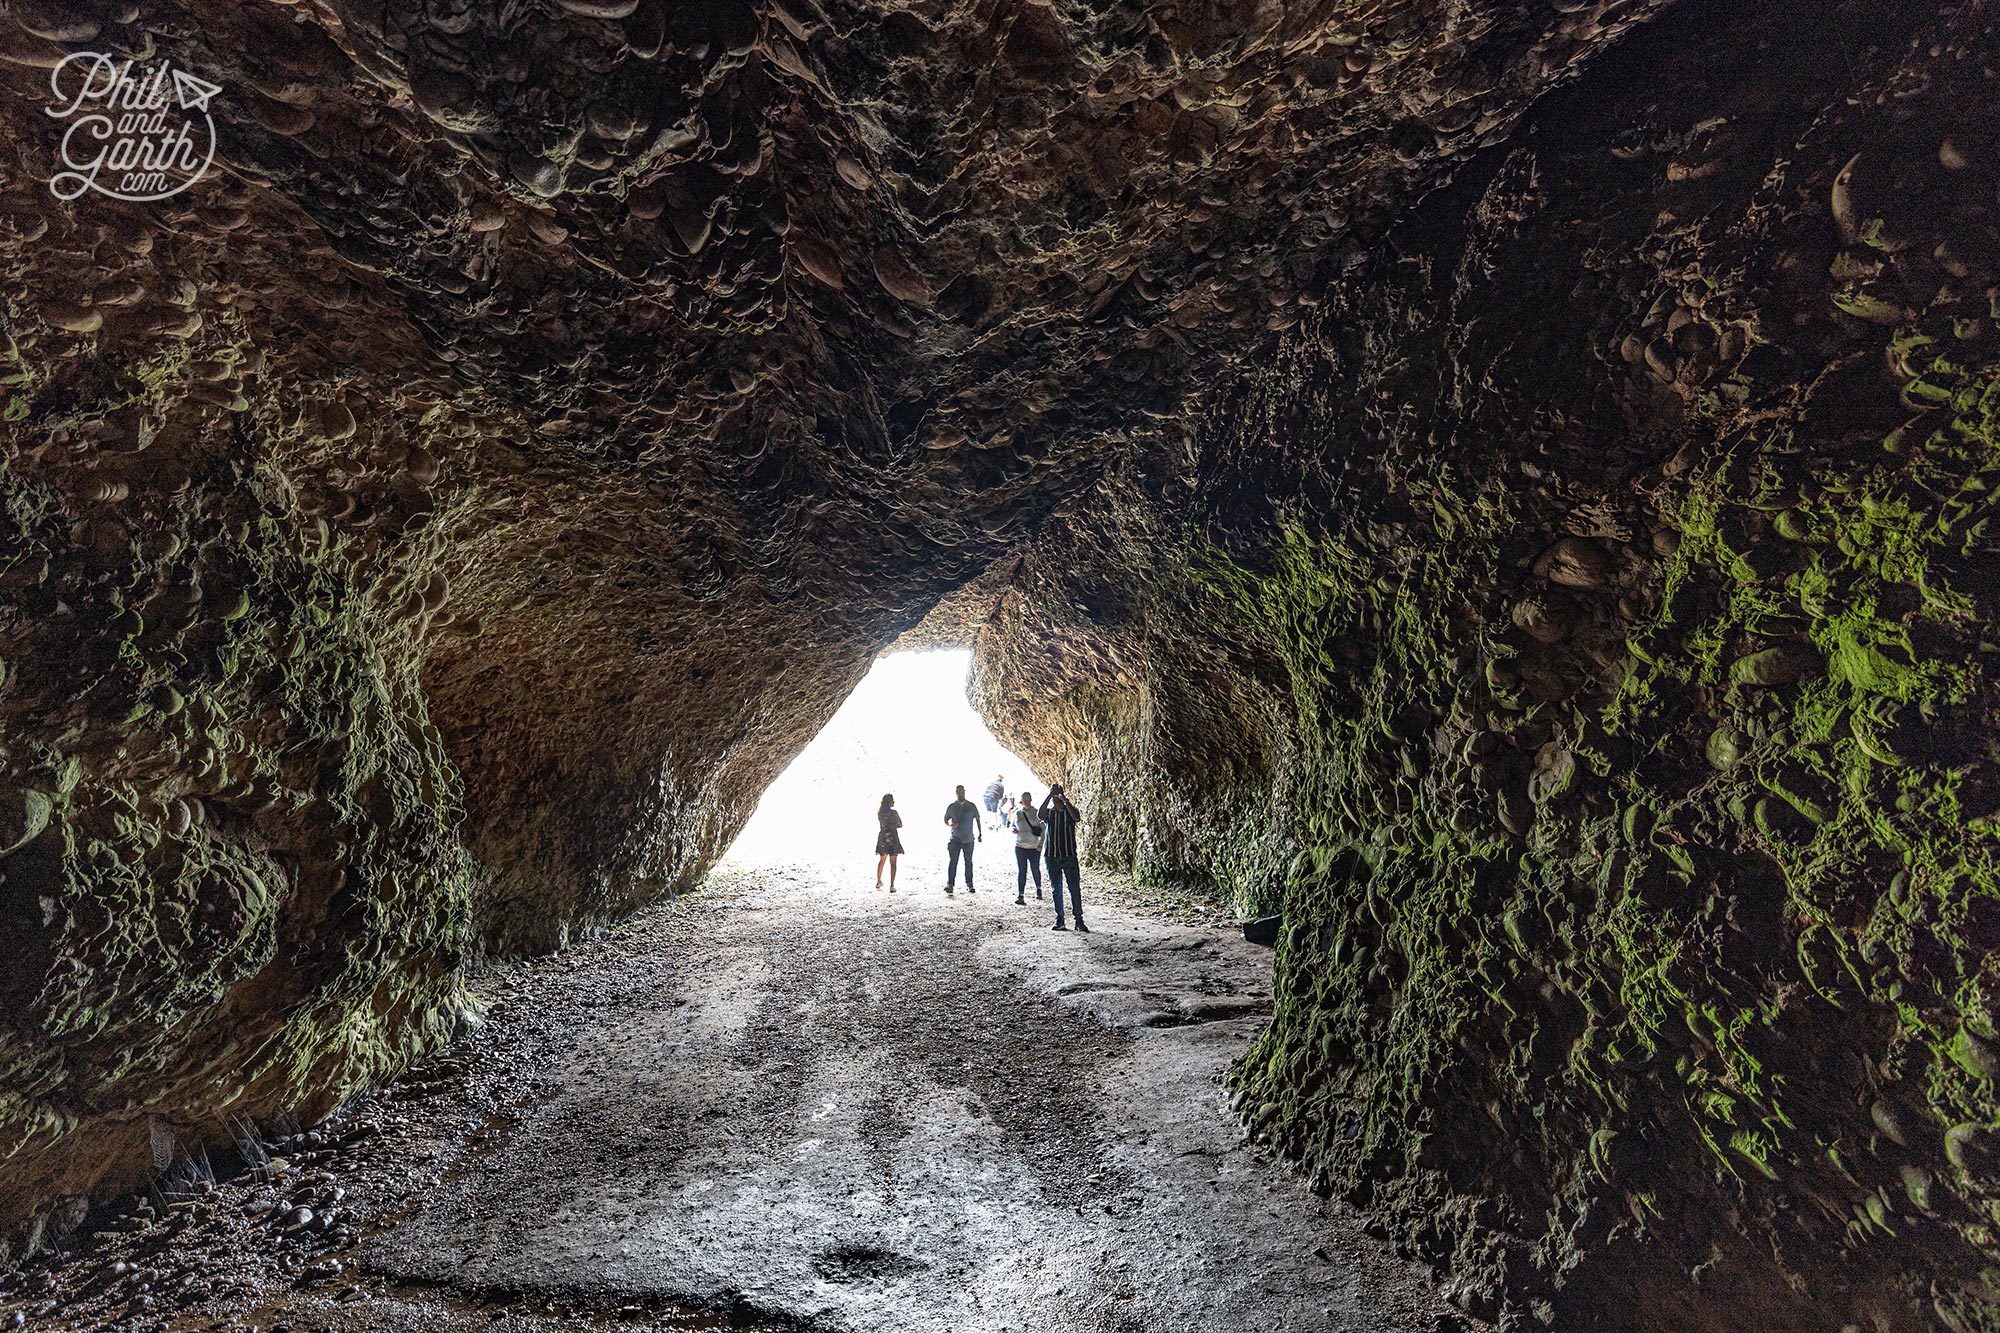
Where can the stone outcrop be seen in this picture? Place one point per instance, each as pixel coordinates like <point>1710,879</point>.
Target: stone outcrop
<point>1582,632</point>
<point>432,529</point>
<point>1546,564</point>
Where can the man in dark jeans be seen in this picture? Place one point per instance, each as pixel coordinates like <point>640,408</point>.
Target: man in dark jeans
<point>963,816</point>
<point>1059,820</point>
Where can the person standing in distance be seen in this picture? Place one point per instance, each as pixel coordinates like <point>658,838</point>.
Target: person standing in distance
<point>963,816</point>
<point>994,791</point>
<point>1059,820</point>
<point>888,841</point>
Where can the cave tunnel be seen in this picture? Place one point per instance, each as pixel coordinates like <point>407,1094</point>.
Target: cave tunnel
<point>1486,508</point>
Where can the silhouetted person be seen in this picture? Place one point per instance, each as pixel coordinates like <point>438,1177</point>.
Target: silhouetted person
<point>1027,847</point>
<point>994,791</point>
<point>1060,819</point>
<point>963,816</point>
<point>888,842</point>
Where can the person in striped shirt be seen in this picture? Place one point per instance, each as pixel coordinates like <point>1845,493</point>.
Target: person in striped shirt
<point>1060,819</point>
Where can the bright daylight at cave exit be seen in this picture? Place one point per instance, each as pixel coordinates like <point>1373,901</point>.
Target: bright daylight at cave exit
<point>908,730</point>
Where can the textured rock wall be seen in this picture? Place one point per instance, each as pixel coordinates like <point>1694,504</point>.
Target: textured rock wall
<point>1582,632</point>
<point>233,885</point>
<point>433,528</point>
<point>265,597</point>
<point>1571,609</point>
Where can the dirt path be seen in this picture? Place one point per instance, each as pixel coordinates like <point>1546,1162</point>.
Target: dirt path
<point>788,1103</point>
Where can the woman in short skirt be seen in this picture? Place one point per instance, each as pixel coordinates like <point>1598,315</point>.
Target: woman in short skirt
<point>888,842</point>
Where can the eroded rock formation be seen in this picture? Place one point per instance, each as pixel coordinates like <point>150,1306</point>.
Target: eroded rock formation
<point>1564,599</point>
<point>1583,634</point>
<point>436,526</point>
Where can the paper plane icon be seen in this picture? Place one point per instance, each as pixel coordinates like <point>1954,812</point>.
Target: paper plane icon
<point>193,93</point>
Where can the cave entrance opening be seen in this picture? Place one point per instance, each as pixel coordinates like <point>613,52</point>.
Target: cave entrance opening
<point>909,729</point>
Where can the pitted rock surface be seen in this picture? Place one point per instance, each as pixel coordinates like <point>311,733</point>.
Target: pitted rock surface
<point>1581,634</point>
<point>439,522</point>
<point>1504,485</point>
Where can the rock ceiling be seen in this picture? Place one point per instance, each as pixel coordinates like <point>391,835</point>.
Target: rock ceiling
<point>582,330</point>
<point>763,265</point>
<point>439,522</point>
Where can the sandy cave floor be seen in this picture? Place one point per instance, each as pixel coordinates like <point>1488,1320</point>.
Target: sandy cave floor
<point>789,1101</point>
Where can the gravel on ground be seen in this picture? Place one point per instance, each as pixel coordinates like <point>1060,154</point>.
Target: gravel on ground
<point>789,1101</point>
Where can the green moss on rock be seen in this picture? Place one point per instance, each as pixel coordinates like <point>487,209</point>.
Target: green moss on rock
<point>1626,720</point>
